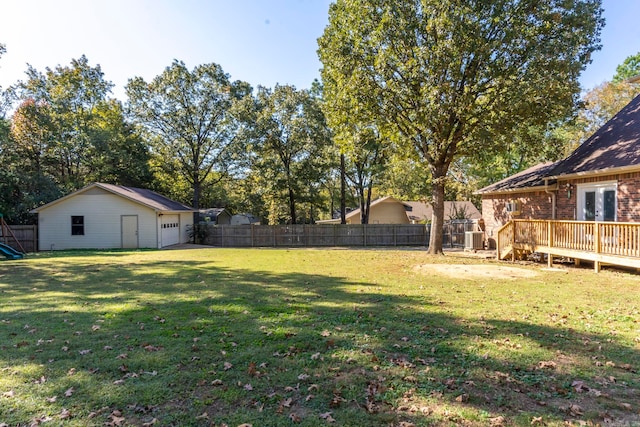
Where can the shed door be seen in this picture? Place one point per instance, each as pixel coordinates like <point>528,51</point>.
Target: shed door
<point>170,230</point>
<point>129,231</point>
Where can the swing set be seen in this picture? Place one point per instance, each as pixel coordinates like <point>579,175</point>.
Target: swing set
<point>5,234</point>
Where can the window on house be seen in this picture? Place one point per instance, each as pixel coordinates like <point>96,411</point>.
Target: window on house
<point>77,226</point>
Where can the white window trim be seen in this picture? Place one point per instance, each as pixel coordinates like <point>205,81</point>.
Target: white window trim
<point>590,186</point>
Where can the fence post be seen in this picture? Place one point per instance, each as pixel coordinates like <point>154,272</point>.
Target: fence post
<point>364,234</point>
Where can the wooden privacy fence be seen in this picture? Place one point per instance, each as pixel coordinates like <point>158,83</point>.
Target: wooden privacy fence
<point>615,243</point>
<point>301,235</point>
<point>23,237</point>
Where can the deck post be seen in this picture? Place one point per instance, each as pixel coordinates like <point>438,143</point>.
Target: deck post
<point>596,245</point>
<point>513,241</point>
<point>550,243</point>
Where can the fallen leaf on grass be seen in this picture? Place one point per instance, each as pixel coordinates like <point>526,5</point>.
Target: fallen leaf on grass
<point>575,409</point>
<point>248,387</point>
<point>497,421</point>
<point>536,421</point>
<point>116,419</point>
<point>547,364</point>
<point>65,414</point>
<point>83,352</point>
<point>150,423</point>
<point>227,366</point>
<point>51,399</point>
<point>295,417</point>
<point>69,392</point>
<point>327,417</point>
<point>9,393</point>
<point>202,416</point>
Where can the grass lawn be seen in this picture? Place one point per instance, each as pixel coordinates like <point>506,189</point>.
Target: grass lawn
<point>271,337</point>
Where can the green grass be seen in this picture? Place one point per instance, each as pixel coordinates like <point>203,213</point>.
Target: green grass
<point>284,337</point>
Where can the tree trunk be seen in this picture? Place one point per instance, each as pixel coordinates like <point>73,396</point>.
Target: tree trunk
<point>197,189</point>
<point>437,220</point>
<point>343,192</point>
<point>292,206</point>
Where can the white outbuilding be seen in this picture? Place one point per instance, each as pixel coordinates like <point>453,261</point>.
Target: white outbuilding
<point>101,216</point>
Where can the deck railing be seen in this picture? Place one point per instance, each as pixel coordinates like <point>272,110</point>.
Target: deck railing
<point>607,242</point>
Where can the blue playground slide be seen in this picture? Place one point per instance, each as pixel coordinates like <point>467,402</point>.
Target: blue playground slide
<point>9,252</point>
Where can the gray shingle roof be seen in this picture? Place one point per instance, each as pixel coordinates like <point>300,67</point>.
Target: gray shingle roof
<point>528,178</point>
<point>146,197</point>
<point>142,196</point>
<point>614,145</point>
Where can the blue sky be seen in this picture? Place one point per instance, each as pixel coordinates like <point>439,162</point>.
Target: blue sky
<point>261,41</point>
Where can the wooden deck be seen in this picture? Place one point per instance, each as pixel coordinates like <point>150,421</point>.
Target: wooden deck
<point>616,243</point>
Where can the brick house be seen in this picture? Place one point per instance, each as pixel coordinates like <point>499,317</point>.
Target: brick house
<point>599,181</point>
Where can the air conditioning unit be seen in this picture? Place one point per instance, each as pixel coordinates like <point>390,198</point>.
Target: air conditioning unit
<point>473,240</point>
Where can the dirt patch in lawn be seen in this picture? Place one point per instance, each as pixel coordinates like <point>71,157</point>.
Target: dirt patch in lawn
<point>476,271</point>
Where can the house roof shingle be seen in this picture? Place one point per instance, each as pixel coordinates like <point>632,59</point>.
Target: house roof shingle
<point>614,145</point>
<point>527,179</point>
<point>142,196</point>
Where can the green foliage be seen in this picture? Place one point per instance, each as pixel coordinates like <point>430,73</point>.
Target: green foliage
<point>630,67</point>
<point>186,116</point>
<point>450,79</point>
<point>287,142</point>
<point>64,134</point>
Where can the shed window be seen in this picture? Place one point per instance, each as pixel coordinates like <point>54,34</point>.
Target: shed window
<point>77,225</point>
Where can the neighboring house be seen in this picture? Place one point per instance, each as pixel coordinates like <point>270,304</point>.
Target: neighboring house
<point>111,216</point>
<point>599,181</point>
<point>218,216</point>
<point>244,219</point>
<point>388,210</point>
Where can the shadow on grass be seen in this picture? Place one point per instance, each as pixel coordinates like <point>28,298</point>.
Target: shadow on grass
<point>177,340</point>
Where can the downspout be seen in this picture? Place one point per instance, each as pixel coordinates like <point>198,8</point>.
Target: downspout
<point>553,198</point>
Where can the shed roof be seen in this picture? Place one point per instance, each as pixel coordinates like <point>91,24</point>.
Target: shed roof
<point>145,197</point>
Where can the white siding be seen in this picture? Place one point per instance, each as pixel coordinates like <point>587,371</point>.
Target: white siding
<point>102,213</point>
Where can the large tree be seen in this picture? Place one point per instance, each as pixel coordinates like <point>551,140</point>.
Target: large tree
<point>288,143</point>
<point>70,96</point>
<point>630,67</point>
<point>451,78</point>
<point>187,117</point>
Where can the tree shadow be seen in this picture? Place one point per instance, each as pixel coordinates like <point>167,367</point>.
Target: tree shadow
<point>200,338</point>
